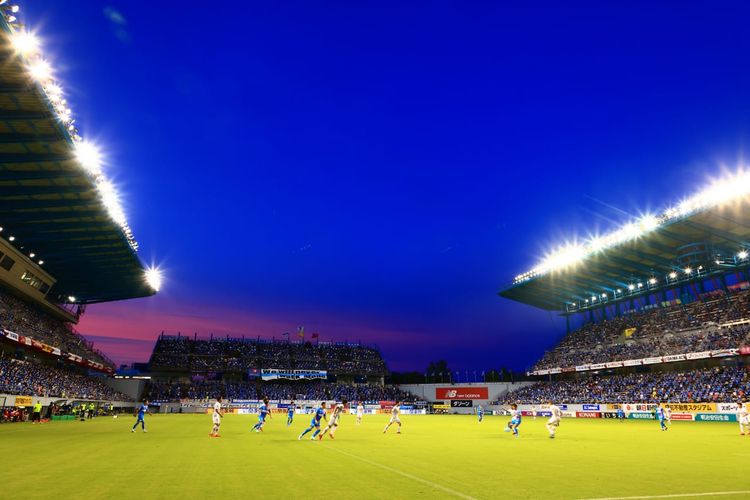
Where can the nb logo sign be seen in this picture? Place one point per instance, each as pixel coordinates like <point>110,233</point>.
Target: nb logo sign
<point>451,394</point>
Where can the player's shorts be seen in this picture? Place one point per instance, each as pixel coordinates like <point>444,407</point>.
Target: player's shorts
<point>360,415</point>
<point>315,423</point>
<point>515,421</point>
<point>217,419</point>
<point>335,423</point>
<point>554,421</point>
<point>395,420</point>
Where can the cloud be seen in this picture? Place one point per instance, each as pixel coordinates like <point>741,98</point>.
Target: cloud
<point>118,24</point>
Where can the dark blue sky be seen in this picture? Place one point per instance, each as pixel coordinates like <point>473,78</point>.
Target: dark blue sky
<point>378,171</point>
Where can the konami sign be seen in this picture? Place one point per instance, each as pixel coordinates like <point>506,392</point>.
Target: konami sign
<point>461,393</point>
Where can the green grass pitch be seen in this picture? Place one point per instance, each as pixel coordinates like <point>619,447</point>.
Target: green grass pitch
<point>435,457</point>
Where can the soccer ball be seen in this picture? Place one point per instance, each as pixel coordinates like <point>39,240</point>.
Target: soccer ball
<point>114,416</point>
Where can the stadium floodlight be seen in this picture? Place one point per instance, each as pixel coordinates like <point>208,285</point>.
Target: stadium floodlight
<point>71,298</point>
<point>652,281</point>
<point>726,190</point>
<point>40,70</point>
<point>640,285</point>
<point>25,43</point>
<point>631,287</point>
<point>41,262</point>
<point>11,238</point>
<point>673,275</point>
<point>688,270</point>
<point>649,223</point>
<point>604,295</point>
<point>32,255</point>
<point>89,156</point>
<point>742,255</point>
<point>154,278</point>
<point>14,9</point>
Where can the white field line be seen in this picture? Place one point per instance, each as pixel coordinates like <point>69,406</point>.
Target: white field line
<point>677,495</point>
<point>405,474</point>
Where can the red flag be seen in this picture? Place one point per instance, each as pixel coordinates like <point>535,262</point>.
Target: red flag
<point>315,335</point>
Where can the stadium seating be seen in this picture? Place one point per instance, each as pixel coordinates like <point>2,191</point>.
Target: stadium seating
<point>721,384</point>
<point>32,379</point>
<point>299,390</point>
<point>23,319</point>
<point>703,325</point>
<point>183,354</point>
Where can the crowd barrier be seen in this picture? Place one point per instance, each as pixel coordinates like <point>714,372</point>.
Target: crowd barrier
<point>698,412</point>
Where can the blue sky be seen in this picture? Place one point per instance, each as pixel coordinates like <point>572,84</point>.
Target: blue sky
<point>378,171</point>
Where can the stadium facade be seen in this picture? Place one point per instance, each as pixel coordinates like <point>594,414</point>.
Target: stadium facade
<point>664,292</point>
<point>64,238</point>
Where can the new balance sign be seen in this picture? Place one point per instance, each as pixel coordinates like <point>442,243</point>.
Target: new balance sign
<point>462,393</point>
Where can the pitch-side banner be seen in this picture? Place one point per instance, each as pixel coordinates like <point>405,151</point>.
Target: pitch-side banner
<point>462,393</point>
<point>272,374</point>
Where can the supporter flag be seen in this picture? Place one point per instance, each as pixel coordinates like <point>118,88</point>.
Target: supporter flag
<point>301,332</point>
<point>629,332</point>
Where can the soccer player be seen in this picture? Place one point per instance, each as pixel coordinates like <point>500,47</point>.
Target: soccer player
<point>217,416</point>
<point>480,413</point>
<point>515,420</point>
<point>554,421</point>
<point>661,417</point>
<point>262,414</point>
<point>743,418</point>
<point>290,414</point>
<point>360,412</point>
<point>140,412</point>
<point>668,414</point>
<point>315,422</point>
<point>620,414</point>
<point>533,412</point>
<point>395,411</point>
<point>333,422</point>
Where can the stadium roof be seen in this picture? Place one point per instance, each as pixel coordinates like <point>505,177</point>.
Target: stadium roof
<point>56,206</point>
<point>707,235</point>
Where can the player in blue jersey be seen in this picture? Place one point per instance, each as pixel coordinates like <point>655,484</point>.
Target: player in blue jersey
<point>480,413</point>
<point>290,414</point>
<point>140,412</point>
<point>263,412</point>
<point>661,417</point>
<point>515,420</point>
<point>319,414</point>
<point>620,414</point>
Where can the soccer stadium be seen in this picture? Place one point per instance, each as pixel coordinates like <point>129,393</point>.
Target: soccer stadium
<point>644,394</point>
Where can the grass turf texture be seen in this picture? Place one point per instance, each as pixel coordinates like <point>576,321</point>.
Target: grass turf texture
<point>437,456</point>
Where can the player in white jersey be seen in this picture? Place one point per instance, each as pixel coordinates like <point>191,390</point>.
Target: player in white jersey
<point>360,412</point>
<point>515,420</point>
<point>744,418</point>
<point>217,416</point>
<point>668,414</point>
<point>333,421</point>
<point>533,412</point>
<point>554,421</point>
<point>395,411</point>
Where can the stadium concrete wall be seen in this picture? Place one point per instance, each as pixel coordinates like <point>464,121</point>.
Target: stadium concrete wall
<point>28,401</point>
<point>132,387</point>
<point>463,398</point>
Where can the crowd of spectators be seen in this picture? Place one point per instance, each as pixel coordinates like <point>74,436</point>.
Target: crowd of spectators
<point>720,384</point>
<point>659,331</point>
<point>299,390</point>
<point>24,319</point>
<point>184,354</point>
<point>34,379</point>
